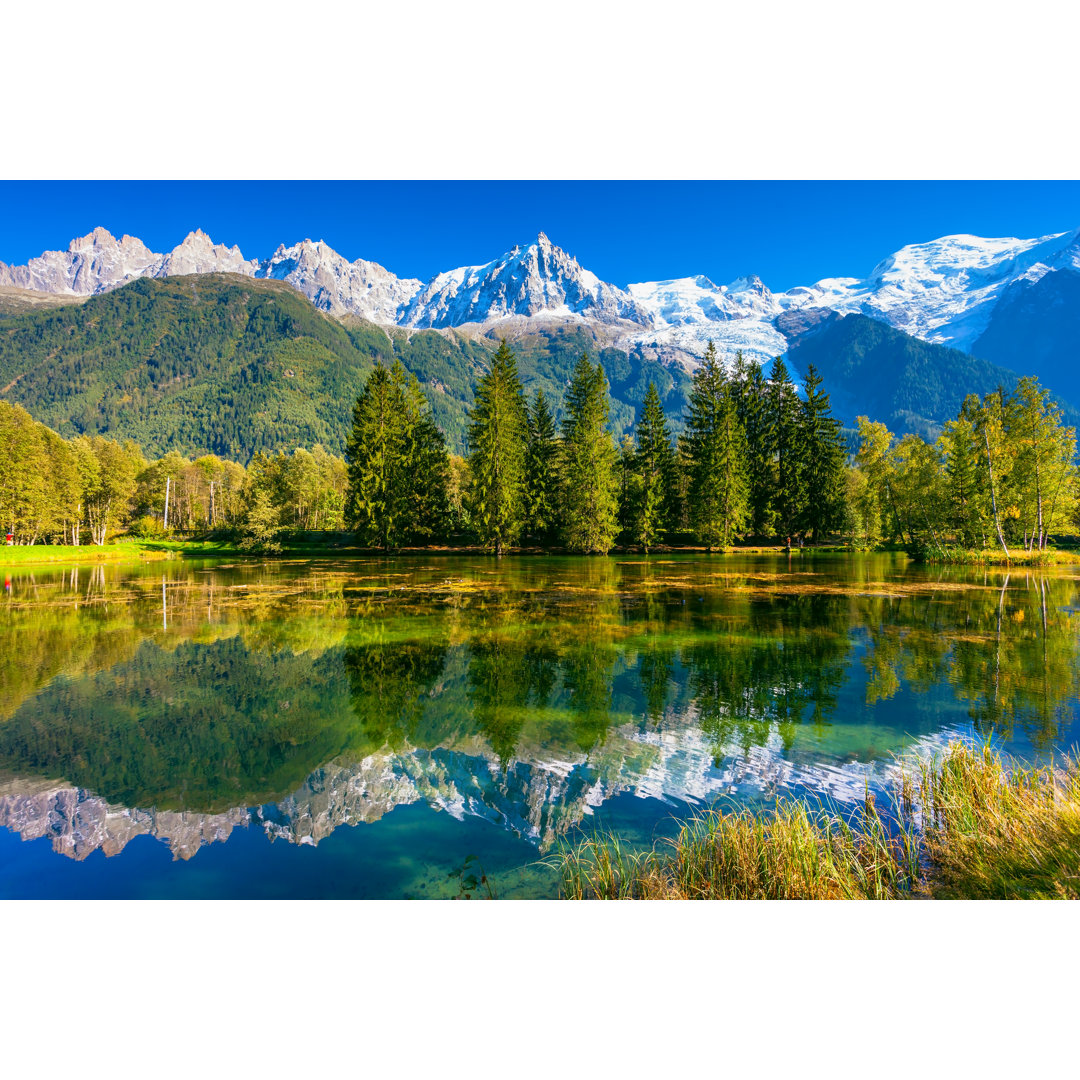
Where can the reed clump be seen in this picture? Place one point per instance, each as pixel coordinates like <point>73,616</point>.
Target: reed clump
<point>995,832</point>
<point>965,824</point>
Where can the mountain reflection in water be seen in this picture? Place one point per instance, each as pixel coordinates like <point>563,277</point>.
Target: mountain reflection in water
<point>297,697</point>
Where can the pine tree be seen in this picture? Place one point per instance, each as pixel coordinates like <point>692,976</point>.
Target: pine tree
<point>541,469</point>
<point>498,445</point>
<point>751,390</point>
<point>655,465</point>
<point>629,485</point>
<point>782,411</point>
<point>590,482</point>
<point>822,452</point>
<point>425,466</point>
<point>716,452</point>
<point>398,468</point>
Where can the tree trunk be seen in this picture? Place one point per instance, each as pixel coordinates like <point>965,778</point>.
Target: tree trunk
<point>1038,494</point>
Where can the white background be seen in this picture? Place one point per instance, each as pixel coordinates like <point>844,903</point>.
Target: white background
<point>557,90</point>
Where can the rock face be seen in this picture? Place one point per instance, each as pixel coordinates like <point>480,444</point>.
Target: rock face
<point>93,263</point>
<point>944,291</point>
<point>540,279</point>
<point>534,797</point>
<point>78,823</point>
<point>335,285</point>
<point>98,262</point>
<point>198,254</point>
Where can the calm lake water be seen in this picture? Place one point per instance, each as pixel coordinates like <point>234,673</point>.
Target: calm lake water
<point>359,728</point>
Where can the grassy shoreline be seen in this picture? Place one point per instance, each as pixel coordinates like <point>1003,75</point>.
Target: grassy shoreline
<point>155,549</point>
<point>966,825</point>
<point>130,550</point>
<point>996,557</point>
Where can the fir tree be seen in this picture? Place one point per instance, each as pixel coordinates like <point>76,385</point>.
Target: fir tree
<point>750,392</point>
<point>541,469</point>
<point>590,482</point>
<point>629,485</point>
<point>498,448</point>
<point>823,461</point>
<point>716,454</point>
<point>782,411</point>
<point>398,469</point>
<point>655,465</point>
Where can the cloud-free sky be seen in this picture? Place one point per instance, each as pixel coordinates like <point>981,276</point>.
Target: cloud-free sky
<point>787,232</point>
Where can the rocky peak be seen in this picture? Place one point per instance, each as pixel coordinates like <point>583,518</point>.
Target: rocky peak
<point>335,285</point>
<point>198,254</point>
<point>539,279</point>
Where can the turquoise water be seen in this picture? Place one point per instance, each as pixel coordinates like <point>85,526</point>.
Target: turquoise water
<point>361,728</point>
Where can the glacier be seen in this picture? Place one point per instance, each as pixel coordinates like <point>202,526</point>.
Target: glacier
<point>942,291</point>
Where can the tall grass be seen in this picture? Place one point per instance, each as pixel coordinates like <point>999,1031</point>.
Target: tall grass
<point>996,557</point>
<point>996,833</point>
<point>965,824</point>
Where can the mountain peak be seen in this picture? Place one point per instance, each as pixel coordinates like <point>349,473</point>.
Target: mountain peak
<point>99,236</point>
<point>540,279</point>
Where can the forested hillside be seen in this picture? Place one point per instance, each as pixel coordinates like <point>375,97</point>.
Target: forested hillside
<point>911,385</point>
<point>231,365</point>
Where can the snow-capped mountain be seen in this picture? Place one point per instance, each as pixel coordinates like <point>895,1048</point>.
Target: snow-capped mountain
<point>686,313</point>
<point>198,254</point>
<point>98,263</point>
<point>540,279</point>
<point>944,291</point>
<point>338,286</point>
<point>93,263</point>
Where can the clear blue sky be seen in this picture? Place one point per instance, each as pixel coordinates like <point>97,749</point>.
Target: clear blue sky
<point>788,232</point>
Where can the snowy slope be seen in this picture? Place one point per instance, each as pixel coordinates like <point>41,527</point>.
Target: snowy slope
<point>98,262</point>
<point>943,291</point>
<point>540,279</point>
<point>338,286</point>
<point>687,313</point>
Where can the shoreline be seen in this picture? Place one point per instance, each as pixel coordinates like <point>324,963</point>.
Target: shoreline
<point>161,550</point>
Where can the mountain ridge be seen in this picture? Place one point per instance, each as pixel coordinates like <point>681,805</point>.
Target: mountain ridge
<point>943,291</point>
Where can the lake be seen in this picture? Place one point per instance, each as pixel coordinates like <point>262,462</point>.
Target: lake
<point>383,727</point>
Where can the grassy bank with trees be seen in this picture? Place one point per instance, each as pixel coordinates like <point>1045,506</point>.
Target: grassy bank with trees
<point>756,463</point>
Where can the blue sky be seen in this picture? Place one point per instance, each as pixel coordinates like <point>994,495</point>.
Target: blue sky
<point>788,232</point>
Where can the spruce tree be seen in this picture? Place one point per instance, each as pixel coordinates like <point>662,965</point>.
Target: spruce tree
<point>782,411</point>
<point>716,453</point>
<point>541,469</point>
<point>398,468</point>
<point>629,485</point>
<point>425,465</point>
<point>655,462</point>
<point>822,452</point>
<point>590,483</point>
<point>498,447</point>
<point>750,391</point>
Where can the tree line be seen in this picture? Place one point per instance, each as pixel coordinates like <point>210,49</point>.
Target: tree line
<point>90,488</point>
<point>754,460</point>
<point>1002,474</point>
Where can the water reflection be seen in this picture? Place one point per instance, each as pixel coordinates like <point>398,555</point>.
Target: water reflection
<point>298,697</point>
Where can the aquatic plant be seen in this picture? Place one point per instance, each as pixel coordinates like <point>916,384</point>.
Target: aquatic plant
<point>965,824</point>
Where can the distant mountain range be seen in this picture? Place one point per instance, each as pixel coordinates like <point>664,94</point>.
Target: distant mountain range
<point>1006,305</point>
